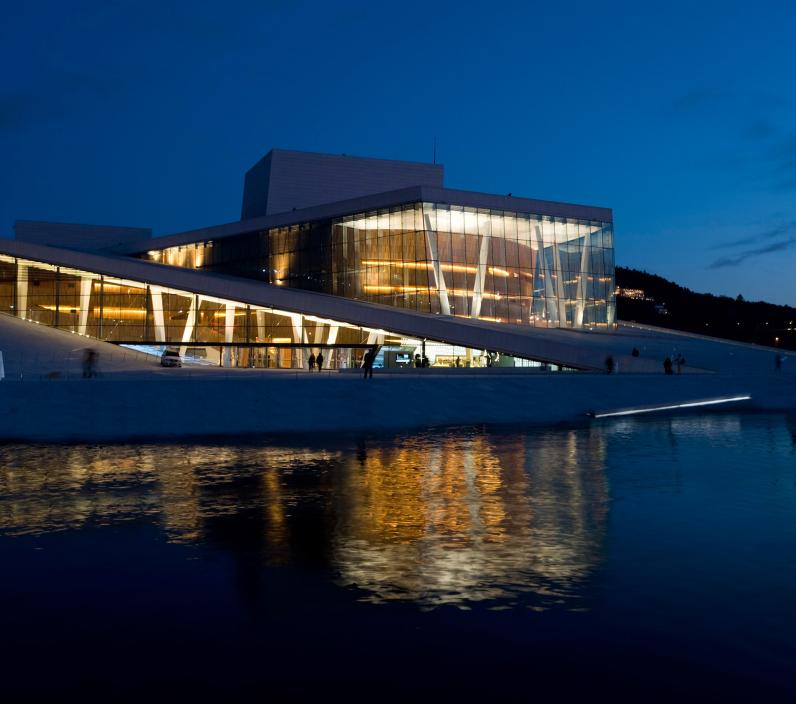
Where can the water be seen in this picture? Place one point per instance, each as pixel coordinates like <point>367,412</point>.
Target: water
<point>641,557</point>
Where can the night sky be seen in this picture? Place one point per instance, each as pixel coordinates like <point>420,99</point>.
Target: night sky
<point>681,117</point>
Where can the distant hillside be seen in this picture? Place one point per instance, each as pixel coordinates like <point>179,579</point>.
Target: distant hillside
<point>650,299</point>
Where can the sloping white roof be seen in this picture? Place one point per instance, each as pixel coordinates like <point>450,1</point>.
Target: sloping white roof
<point>521,341</point>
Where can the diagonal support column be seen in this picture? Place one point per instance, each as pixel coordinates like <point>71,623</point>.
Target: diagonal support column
<point>374,340</point>
<point>156,294</point>
<point>330,340</point>
<point>480,275</point>
<point>544,271</point>
<point>190,323</point>
<point>439,277</point>
<point>299,336</point>
<point>559,278</point>
<point>582,280</point>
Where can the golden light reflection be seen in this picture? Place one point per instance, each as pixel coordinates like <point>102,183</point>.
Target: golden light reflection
<point>433,519</point>
<point>468,521</point>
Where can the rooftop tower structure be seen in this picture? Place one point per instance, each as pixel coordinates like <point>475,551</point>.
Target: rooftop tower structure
<point>284,181</point>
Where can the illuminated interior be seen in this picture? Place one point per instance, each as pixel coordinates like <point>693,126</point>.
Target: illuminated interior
<point>207,329</point>
<point>452,260</point>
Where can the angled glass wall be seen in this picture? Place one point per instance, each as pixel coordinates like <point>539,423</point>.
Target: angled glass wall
<point>483,264</point>
<point>208,329</point>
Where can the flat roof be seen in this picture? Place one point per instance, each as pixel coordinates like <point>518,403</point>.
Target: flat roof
<point>375,159</point>
<point>403,196</point>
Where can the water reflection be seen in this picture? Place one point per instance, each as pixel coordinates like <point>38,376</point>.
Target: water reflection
<point>434,518</point>
<point>473,518</point>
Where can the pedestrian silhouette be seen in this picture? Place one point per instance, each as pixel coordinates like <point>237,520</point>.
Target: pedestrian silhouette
<point>634,353</point>
<point>89,363</point>
<point>609,364</point>
<point>311,361</point>
<point>319,361</point>
<point>667,366</point>
<point>367,365</point>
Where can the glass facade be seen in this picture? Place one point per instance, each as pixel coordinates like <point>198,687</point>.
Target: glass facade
<point>207,329</point>
<point>499,266</point>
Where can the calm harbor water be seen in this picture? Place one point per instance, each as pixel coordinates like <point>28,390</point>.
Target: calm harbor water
<point>644,557</point>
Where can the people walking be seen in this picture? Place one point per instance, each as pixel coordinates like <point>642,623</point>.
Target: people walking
<point>319,361</point>
<point>311,361</point>
<point>609,364</point>
<point>667,366</point>
<point>458,362</point>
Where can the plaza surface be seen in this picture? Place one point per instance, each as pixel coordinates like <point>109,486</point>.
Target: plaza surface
<point>44,397</point>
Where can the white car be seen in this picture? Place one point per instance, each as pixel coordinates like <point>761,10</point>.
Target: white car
<point>170,358</point>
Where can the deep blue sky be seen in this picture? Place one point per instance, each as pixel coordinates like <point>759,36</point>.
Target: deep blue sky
<point>681,117</point>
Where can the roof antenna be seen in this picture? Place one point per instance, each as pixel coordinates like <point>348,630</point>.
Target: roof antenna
<point>435,149</point>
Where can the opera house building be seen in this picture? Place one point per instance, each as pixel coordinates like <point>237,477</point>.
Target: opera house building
<point>336,254</point>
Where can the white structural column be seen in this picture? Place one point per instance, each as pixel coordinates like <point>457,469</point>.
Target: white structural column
<point>22,291</point>
<point>317,338</point>
<point>229,331</point>
<point>299,336</point>
<point>439,277</point>
<point>262,353</point>
<point>559,278</point>
<point>330,340</point>
<point>156,294</point>
<point>480,274</point>
<point>260,315</point>
<point>585,257</point>
<point>86,283</point>
<point>544,271</point>
<point>190,322</point>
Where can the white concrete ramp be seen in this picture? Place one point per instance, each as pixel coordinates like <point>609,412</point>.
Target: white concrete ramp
<point>37,350</point>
